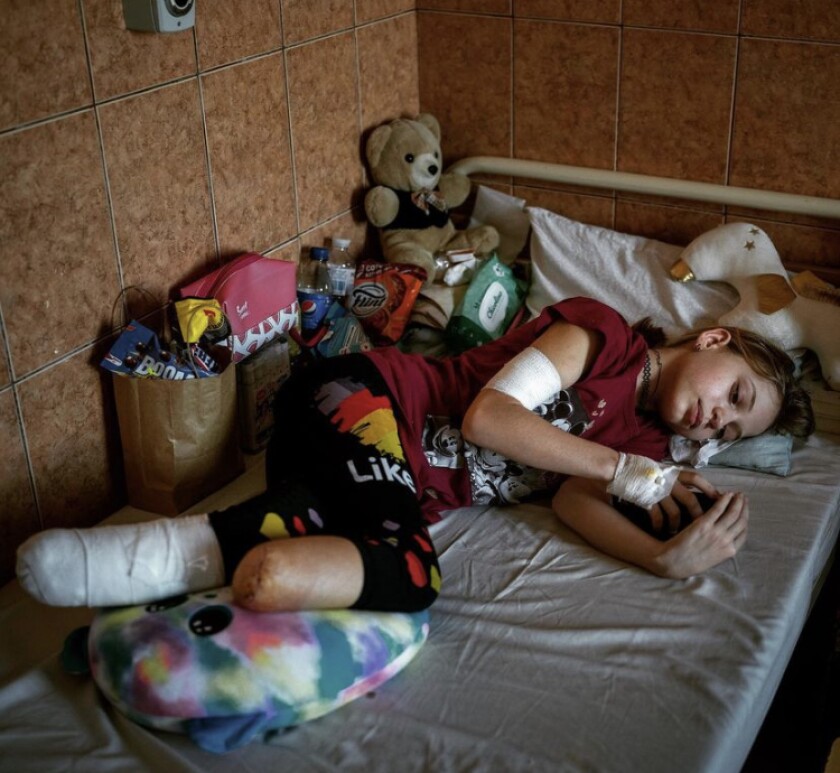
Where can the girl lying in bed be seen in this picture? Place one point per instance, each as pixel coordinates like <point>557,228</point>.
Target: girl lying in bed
<point>369,449</point>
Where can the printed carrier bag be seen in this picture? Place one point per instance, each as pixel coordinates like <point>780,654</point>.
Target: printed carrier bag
<point>493,298</point>
<point>258,296</point>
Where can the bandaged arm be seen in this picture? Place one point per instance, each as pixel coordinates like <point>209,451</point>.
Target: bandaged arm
<point>499,421</point>
<point>531,378</point>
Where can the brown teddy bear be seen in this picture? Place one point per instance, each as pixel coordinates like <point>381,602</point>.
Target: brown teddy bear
<point>412,197</point>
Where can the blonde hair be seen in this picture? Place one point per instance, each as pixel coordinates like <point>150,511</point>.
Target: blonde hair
<point>796,416</point>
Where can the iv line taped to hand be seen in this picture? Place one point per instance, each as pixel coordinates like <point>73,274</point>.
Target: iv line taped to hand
<point>642,481</point>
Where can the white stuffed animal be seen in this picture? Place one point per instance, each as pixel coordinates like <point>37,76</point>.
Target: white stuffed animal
<point>743,256</point>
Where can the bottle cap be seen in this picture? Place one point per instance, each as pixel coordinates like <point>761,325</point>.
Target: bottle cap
<point>319,253</point>
<point>340,243</point>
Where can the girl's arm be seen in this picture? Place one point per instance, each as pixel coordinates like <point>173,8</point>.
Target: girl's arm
<point>713,537</point>
<point>498,421</point>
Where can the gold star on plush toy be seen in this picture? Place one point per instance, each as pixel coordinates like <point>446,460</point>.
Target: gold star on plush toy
<point>755,231</point>
<point>749,245</point>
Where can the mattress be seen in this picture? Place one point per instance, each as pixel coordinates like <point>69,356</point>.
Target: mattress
<point>543,655</point>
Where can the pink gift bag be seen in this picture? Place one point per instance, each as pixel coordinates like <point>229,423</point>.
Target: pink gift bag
<point>258,296</point>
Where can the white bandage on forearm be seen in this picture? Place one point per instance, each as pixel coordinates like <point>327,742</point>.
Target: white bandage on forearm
<point>530,377</point>
<point>642,481</point>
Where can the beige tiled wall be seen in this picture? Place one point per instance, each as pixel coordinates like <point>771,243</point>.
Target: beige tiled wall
<point>742,92</point>
<point>132,159</point>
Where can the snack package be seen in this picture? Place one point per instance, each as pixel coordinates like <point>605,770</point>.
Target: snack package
<point>340,333</point>
<point>137,352</point>
<point>382,298</point>
<point>344,335</point>
<point>199,317</point>
<point>202,360</point>
<point>487,308</point>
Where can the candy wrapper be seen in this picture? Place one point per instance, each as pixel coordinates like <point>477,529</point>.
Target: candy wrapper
<point>340,333</point>
<point>201,318</point>
<point>137,352</point>
<point>382,298</point>
<point>344,335</point>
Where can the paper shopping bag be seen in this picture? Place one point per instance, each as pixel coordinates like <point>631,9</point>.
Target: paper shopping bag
<point>180,439</point>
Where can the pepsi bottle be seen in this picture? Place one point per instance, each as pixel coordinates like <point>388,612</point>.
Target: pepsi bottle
<point>314,289</point>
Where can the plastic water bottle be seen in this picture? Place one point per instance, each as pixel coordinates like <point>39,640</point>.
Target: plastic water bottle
<point>314,289</point>
<point>342,268</point>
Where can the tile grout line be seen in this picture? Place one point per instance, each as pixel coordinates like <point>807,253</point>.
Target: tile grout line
<point>732,105</point>
<point>112,218</point>
<point>24,439</point>
<point>292,154</point>
<point>619,69</point>
<point>106,177</point>
<point>360,122</point>
<point>512,124</point>
<point>30,470</point>
<point>358,73</point>
<point>208,164</point>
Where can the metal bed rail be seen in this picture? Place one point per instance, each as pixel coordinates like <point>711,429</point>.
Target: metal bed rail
<point>628,182</point>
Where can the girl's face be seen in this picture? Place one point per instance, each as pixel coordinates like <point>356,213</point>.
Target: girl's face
<point>714,393</point>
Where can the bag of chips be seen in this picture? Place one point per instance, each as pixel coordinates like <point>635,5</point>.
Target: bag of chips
<point>382,298</point>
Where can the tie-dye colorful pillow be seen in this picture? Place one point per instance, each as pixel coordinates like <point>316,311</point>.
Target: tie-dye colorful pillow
<point>201,665</point>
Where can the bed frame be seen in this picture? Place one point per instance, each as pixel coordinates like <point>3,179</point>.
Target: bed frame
<point>544,655</point>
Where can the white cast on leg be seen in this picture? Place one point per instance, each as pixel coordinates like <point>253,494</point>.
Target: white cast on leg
<point>642,481</point>
<point>117,565</point>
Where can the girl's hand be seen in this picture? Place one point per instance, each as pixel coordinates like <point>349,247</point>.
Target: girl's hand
<point>715,536</point>
<point>668,511</point>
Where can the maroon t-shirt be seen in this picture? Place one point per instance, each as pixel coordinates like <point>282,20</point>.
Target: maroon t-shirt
<point>432,396</point>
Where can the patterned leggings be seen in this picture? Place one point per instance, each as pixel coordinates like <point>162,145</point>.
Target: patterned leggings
<point>335,465</point>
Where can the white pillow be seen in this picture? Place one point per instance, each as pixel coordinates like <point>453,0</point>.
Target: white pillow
<point>629,273</point>
<point>507,215</point>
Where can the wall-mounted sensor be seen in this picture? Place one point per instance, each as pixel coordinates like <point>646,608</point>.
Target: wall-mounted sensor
<point>159,15</point>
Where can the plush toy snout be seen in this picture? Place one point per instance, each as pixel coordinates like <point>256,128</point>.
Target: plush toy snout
<point>424,171</point>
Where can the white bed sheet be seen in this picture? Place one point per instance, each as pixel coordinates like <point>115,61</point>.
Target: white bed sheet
<point>544,655</point>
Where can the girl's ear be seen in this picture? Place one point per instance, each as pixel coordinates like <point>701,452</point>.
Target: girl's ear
<point>713,338</point>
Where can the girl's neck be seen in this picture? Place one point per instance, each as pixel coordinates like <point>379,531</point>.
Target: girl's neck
<point>649,379</point>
